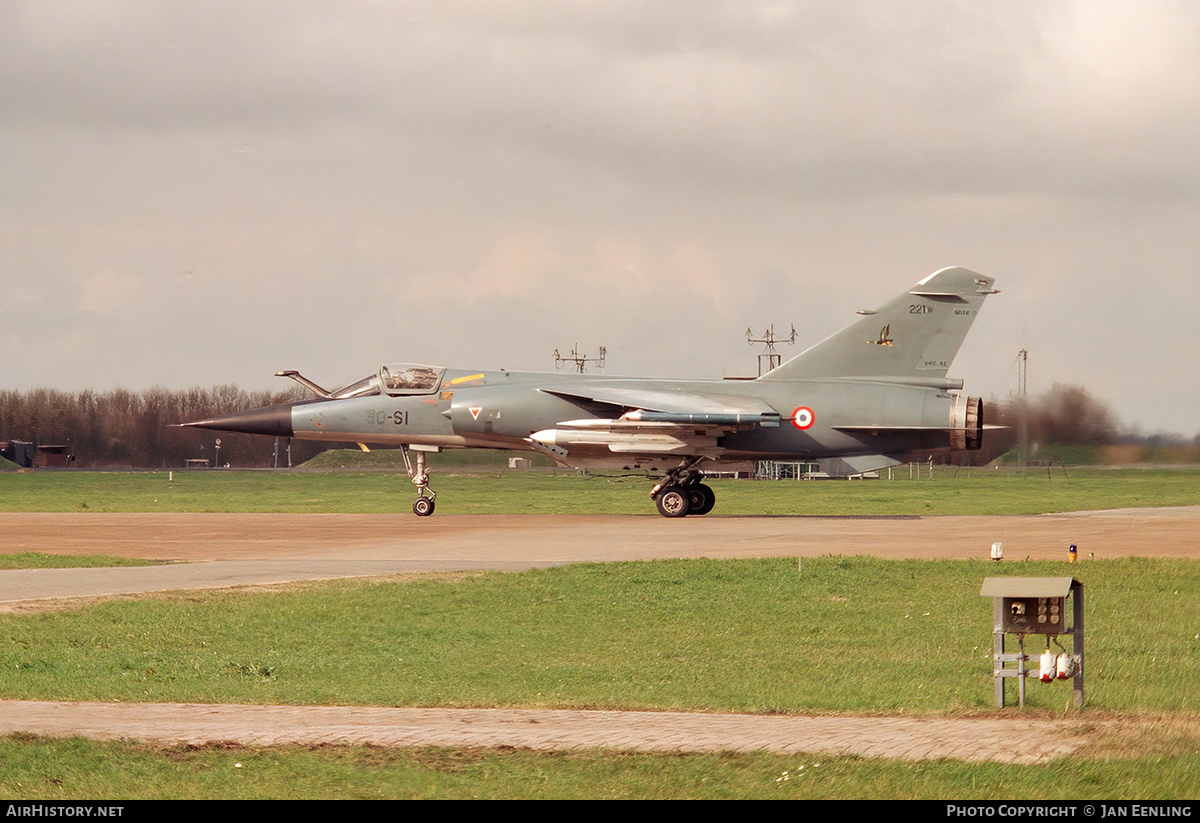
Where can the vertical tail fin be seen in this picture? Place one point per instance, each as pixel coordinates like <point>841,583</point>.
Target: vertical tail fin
<point>916,335</point>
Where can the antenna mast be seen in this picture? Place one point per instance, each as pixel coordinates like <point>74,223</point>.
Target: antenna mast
<point>771,357</point>
<point>1022,408</point>
<point>580,360</point>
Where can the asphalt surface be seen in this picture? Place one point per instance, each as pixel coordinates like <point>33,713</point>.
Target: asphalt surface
<point>227,550</point>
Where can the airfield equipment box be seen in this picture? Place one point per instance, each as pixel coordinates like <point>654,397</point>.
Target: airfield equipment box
<point>1048,606</point>
<point>1040,615</point>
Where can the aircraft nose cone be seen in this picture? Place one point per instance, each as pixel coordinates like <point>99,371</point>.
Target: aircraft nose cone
<point>275,421</point>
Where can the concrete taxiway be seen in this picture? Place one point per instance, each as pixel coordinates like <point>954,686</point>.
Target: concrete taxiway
<point>228,550</point>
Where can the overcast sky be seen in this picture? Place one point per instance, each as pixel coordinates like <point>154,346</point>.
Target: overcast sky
<point>208,192</point>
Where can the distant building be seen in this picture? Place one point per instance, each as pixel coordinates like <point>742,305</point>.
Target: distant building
<point>19,452</point>
<point>29,456</point>
<point>48,456</point>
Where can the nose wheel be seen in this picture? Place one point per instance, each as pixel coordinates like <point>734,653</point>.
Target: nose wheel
<point>423,506</point>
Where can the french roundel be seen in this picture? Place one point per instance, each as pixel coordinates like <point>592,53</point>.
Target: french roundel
<point>803,418</point>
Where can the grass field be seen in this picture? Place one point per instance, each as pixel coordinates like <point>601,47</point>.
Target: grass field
<point>839,635</point>
<point>758,636</point>
<point>45,770</point>
<point>39,560</point>
<point>471,491</point>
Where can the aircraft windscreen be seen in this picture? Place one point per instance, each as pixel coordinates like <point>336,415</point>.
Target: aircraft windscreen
<point>363,388</point>
<point>409,378</point>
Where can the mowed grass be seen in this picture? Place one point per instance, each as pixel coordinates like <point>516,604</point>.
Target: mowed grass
<point>841,635</point>
<point>835,635</point>
<point>463,491</point>
<point>39,560</point>
<point>45,770</point>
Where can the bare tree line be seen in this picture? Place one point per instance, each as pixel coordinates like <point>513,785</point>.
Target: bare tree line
<point>127,429</point>
<point>1068,417</point>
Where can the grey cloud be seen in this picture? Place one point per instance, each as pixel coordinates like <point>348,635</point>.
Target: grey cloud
<point>348,181</point>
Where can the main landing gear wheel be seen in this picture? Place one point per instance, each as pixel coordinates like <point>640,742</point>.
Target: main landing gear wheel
<point>681,493</point>
<point>672,502</point>
<point>423,506</point>
<point>701,499</point>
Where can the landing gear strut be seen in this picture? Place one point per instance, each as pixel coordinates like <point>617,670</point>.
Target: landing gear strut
<point>423,506</point>
<point>681,493</point>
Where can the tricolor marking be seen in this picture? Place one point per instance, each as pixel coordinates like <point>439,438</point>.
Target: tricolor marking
<point>803,418</point>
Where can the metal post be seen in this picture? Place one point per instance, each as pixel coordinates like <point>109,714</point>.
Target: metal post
<point>1077,640</point>
<point>1022,669</point>
<point>997,653</point>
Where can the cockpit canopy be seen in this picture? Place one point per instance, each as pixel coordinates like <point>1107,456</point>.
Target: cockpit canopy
<point>409,378</point>
<point>396,379</point>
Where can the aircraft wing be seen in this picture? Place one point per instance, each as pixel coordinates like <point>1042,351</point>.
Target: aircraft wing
<point>649,423</point>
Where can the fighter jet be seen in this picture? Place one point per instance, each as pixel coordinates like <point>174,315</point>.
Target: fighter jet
<point>875,394</point>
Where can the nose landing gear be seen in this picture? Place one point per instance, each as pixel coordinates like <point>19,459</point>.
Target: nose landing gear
<point>423,506</point>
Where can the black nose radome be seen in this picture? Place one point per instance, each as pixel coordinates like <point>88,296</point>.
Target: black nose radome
<point>275,421</point>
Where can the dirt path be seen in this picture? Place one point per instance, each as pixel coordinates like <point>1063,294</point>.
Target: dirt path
<point>1004,740</point>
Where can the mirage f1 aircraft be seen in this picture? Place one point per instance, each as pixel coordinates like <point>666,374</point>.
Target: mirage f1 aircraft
<point>875,394</point>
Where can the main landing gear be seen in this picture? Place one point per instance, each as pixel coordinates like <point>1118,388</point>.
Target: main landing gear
<point>681,493</point>
<point>423,506</point>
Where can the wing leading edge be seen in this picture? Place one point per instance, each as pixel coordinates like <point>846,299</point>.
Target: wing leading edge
<point>674,406</point>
